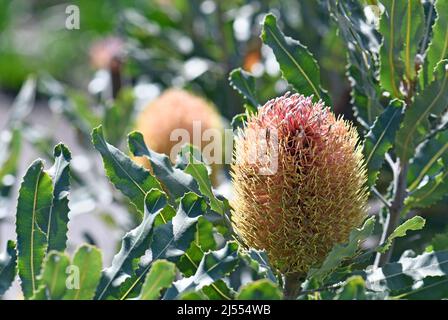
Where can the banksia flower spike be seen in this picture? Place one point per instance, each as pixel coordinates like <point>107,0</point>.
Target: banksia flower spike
<point>179,109</point>
<point>308,192</point>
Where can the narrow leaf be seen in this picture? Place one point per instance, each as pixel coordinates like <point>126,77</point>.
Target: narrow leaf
<point>58,217</point>
<point>131,179</point>
<point>415,123</point>
<point>134,244</point>
<point>54,275</point>
<point>438,48</point>
<point>198,170</point>
<point>297,64</point>
<point>401,25</point>
<point>341,252</point>
<point>415,223</point>
<point>243,82</point>
<point>381,138</point>
<point>33,208</point>
<point>176,181</point>
<point>214,266</point>
<point>88,263</point>
<point>161,276</point>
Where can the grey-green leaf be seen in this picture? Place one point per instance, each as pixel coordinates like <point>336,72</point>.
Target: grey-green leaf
<point>214,266</point>
<point>341,252</point>
<point>134,244</point>
<point>438,48</point>
<point>415,123</point>
<point>54,275</point>
<point>198,170</point>
<point>58,218</point>
<point>161,276</point>
<point>415,223</point>
<point>244,83</point>
<point>401,25</point>
<point>131,179</point>
<point>34,203</point>
<point>175,180</point>
<point>297,64</point>
<point>381,138</point>
<point>84,274</point>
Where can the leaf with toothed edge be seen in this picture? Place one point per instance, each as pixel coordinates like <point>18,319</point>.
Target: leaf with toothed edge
<point>175,180</point>
<point>244,83</point>
<point>415,125</point>
<point>132,180</point>
<point>297,64</point>
<point>401,25</point>
<point>58,217</point>
<point>214,266</point>
<point>161,276</point>
<point>170,241</point>
<point>381,138</point>
<point>134,244</point>
<point>199,171</point>
<point>260,290</point>
<point>33,208</point>
<point>438,48</point>
<point>340,252</point>
<point>415,223</point>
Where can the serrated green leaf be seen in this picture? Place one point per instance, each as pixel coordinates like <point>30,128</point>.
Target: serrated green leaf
<point>217,291</point>
<point>362,41</point>
<point>54,275</point>
<point>170,241</point>
<point>430,193</point>
<point>34,203</point>
<point>131,179</point>
<point>8,267</point>
<point>430,288</point>
<point>341,252</point>
<point>203,242</point>
<point>426,161</point>
<point>438,48</point>
<point>161,276</point>
<point>58,217</point>
<point>353,289</point>
<point>134,244</point>
<point>176,181</point>
<point>243,82</point>
<point>214,266</point>
<point>88,261</point>
<point>297,64</point>
<point>400,277</point>
<point>415,223</point>
<point>401,25</point>
<point>199,172</point>
<point>415,124</point>
<point>260,290</point>
<point>381,137</point>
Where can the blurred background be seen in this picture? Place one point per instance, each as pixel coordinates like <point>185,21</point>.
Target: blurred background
<point>57,82</point>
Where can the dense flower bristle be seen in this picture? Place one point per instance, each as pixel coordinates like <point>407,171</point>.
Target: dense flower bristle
<point>317,194</point>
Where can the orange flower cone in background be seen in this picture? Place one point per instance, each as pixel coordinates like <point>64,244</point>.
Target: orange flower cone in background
<point>315,196</point>
<point>178,109</point>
